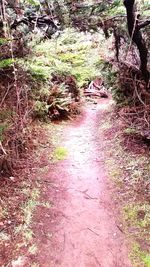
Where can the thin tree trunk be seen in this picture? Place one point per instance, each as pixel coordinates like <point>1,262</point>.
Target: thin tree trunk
<point>136,35</point>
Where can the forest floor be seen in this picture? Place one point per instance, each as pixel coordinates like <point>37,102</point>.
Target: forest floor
<point>82,228</point>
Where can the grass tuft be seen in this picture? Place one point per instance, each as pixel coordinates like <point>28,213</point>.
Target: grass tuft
<point>60,153</point>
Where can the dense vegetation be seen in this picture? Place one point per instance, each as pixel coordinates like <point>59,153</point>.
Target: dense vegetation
<point>49,53</point>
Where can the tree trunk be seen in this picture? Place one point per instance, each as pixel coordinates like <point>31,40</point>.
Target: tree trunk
<point>136,35</point>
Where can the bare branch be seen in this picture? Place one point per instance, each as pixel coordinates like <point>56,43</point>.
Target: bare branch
<point>144,24</point>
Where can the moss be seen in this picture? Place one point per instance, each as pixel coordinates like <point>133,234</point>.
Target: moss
<point>146,260</point>
<point>139,257</point>
<point>137,215</point>
<point>60,153</point>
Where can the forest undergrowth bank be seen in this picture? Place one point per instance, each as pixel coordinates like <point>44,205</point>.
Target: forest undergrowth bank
<point>128,164</point>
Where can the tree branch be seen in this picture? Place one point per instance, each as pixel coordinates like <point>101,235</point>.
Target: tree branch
<point>40,21</point>
<point>144,24</point>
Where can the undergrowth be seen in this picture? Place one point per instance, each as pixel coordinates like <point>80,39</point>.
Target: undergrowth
<point>45,92</point>
<point>128,165</point>
<point>69,55</point>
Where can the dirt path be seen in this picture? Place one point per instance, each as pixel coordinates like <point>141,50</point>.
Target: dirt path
<point>83,225</point>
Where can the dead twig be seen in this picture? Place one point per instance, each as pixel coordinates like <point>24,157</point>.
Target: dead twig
<point>120,229</point>
<point>2,148</point>
<point>93,231</point>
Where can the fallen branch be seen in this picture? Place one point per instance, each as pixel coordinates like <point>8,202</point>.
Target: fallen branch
<point>3,99</point>
<point>34,20</point>
<point>2,148</point>
<point>93,231</point>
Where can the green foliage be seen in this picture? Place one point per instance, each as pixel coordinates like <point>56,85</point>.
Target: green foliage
<point>29,206</point>
<point>3,128</point>
<point>117,8</point>
<point>132,216</point>
<point>110,75</point>
<point>146,260</point>
<point>119,96</point>
<point>6,63</point>
<point>60,102</point>
<point>62,57</point>
<point>59,105</point>
<point>43,93</point>
<point>39,72</point>
<point>70,38</point>
<point>40,109</point>
<point>138,255</point>
<point>3,41</point>
<point>33,2</point>
<point>53,57</point>
<point>76,58</point>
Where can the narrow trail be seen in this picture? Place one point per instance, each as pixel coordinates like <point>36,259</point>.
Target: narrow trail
<point>84,227</point>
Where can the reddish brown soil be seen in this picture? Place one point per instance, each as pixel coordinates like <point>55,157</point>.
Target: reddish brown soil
<point>81,229</point>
